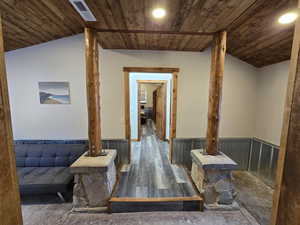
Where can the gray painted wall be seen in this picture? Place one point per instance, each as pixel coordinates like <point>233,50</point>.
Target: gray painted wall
<point>255,155</point>
<point>236,148</point>
<point>121,145</point>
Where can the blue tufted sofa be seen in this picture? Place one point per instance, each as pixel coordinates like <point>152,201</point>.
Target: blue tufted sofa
<point>44,168</point>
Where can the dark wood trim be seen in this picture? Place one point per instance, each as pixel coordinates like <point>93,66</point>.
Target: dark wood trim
<point>167,199</point>
<point>127,113</point>
<point>151,69</point>
<point>215,92</point>
<point>151,81</point>
<point>10,206</point>
<point>173,115</point>
<point>286,199</point>
<point>125,31</point>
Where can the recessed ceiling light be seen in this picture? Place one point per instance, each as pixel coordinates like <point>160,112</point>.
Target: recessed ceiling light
<point>288,18</point>
<point>158,13</point>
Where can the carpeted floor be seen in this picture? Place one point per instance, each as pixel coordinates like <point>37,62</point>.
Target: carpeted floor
<point>59,214</point>
<point>254,195</point>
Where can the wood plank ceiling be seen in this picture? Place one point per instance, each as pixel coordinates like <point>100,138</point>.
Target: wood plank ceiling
<point>254,35</point>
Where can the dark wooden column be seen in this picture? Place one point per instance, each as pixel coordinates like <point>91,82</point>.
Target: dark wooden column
<point>10,208</point>
<point>215,92</point>
<point>93,92</point>
<point>286,200</point>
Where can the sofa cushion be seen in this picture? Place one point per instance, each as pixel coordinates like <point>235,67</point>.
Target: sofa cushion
<point>48,155</point>
<point>37,180</point>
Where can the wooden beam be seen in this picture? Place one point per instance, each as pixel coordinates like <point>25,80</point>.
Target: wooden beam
<point>215,92</point>
<point>10,208</point>
<point>286,200</point>
<point>126,31</point>
<point>151,69</point>
<point>93,92</point>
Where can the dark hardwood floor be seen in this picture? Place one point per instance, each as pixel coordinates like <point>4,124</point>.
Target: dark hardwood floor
<point>151,174</point>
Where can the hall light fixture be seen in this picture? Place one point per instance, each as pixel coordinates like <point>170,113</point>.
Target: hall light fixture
<point>159,13</point>
<point>288,18</point>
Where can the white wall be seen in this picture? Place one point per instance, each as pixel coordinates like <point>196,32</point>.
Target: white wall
<point>63,60</point>
<point>133,78</point>
<point>238,109</point>
<point>271,92</point>
<point>149,88</point>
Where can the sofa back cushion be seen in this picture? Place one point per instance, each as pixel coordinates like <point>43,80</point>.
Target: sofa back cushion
<point>48,155</point>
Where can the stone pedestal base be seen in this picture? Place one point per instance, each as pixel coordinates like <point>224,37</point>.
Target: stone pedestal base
<point>212,176</point>
<point>94,178</point>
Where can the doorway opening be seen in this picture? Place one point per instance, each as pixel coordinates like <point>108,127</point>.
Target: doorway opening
<point>162,76</point>
<point>153,107</point>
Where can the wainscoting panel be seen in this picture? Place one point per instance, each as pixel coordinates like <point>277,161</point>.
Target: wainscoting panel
<point>263,160</point>
<point>121,145</point>
<point>236,148</point>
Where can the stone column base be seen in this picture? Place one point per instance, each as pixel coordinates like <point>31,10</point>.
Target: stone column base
<point>94,179</point>
<point>213,178</point>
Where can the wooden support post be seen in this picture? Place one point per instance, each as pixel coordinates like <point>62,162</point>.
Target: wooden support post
<point>10,208</point>
<point>286,200</point>
<point>93,92</point>
<point>215,92</point>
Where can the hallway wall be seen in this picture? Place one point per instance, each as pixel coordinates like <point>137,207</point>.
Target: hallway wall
<point>63,60</point>
<point>271,92</point>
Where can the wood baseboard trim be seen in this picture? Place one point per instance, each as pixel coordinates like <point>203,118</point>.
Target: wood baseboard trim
<point>167,199</point>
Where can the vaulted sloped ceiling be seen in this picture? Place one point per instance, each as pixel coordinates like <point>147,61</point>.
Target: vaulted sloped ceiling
<point>254,35</point>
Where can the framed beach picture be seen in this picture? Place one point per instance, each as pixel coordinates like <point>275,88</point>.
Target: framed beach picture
<point>54,92</point>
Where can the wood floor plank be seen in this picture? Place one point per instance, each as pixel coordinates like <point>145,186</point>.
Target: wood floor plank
<point>151,175</point>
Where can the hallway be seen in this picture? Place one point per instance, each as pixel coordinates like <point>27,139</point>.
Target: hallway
<point>151,174</point>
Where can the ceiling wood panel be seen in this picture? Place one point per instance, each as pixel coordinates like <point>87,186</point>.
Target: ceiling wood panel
<point>254,35</point>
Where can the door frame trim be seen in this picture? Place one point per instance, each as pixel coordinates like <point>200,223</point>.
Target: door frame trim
<point>173,120</point>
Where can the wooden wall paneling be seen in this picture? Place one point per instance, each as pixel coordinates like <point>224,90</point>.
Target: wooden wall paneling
<point>133,12</point>
<point>10,206</point>
<point>93,92</point>
<point>104,11</point>
<point>286,199</point>
<point>215,92</point>
<point>128,24</point>
<point>120,22</point>
<point>265,35</point>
